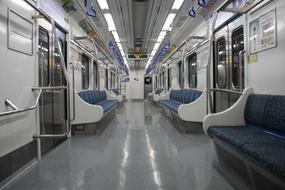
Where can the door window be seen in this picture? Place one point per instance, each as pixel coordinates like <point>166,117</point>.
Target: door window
<point>95,75</point>
<point>180,75</point>
<point>238,65</point>
<point>192,70</point>
<point>85,71</point>
<point>221,54</point>
<point>169,78</point>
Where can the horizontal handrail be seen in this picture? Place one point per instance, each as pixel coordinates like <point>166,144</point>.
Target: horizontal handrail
<point>50,88</point>
<point>182,44</point>
<point>17,110</point>
<point>227,91</point>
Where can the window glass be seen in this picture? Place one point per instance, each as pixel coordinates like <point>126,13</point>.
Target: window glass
<point>192,71</point>
<point>106,79</point>
<point>221,63</point>
<point>169,78</point>
<point>163,80</point>
<point>95,75</point>
<point>238,65</point>
<point>85,71</point>
<point>180,75</point>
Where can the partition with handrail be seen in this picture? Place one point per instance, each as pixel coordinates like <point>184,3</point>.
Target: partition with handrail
<point>223,8</point>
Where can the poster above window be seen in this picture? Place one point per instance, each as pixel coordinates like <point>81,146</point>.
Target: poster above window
<point>262,33</point>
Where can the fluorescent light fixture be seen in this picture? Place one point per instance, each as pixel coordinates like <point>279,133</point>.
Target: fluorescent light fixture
<point>120,46</point>
<point>161,36</point>
<point>103,4</point>
<point>156,46</point>
<point>110,21</point>
<point>153,53</point>
<point>168,21</point>
<point>177,4</point>
<point>116,36</point>
<point>123,54</point>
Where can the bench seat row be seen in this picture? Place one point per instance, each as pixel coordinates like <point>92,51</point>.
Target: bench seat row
<point>92,105</point>
<point>254,130</point>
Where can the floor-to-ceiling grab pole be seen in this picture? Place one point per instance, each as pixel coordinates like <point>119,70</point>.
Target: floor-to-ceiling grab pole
<point>210,59</point>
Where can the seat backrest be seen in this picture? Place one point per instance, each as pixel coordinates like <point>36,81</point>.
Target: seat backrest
<point>89,96</point>
<point>102,96</point>
<point>267,111</point>
<point>190,95</point>
<point>176,95</point>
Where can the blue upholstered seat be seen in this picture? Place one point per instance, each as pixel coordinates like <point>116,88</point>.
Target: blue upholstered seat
<point>270,155</point>
<point>102,96</point>
<point>171,104</point>
<point>90,96</point>
<point>190,95</point>
<point>107,104</point>
<point>96,97</point>
<point>179,97</point>
<point>262,138</point>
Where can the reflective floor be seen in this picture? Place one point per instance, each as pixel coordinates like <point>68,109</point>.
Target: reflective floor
<point>139,150</point>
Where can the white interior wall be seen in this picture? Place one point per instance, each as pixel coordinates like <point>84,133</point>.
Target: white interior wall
<point>135,88</point>
<point>267,75</point>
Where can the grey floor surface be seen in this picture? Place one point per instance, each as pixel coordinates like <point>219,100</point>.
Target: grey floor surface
<point>139,150</point>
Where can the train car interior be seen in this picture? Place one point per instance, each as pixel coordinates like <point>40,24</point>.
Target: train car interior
<point>142,95</point>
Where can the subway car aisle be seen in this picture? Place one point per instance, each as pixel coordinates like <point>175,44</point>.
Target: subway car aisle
<point>139,150</point>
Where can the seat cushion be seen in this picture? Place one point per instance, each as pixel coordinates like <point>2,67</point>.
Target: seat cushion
<point>264,148</point>
<point>90,96</point>
<point>241,135</point>
<point>107,104</point>
<point>171,104</point>
<point>270,155</point>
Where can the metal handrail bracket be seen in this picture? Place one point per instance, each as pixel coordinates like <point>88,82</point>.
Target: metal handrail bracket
<point>16,110</point>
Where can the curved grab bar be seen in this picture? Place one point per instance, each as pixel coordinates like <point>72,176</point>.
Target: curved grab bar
<point>15,111</point>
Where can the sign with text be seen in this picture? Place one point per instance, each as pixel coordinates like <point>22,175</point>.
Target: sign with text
<point>262,33</point>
